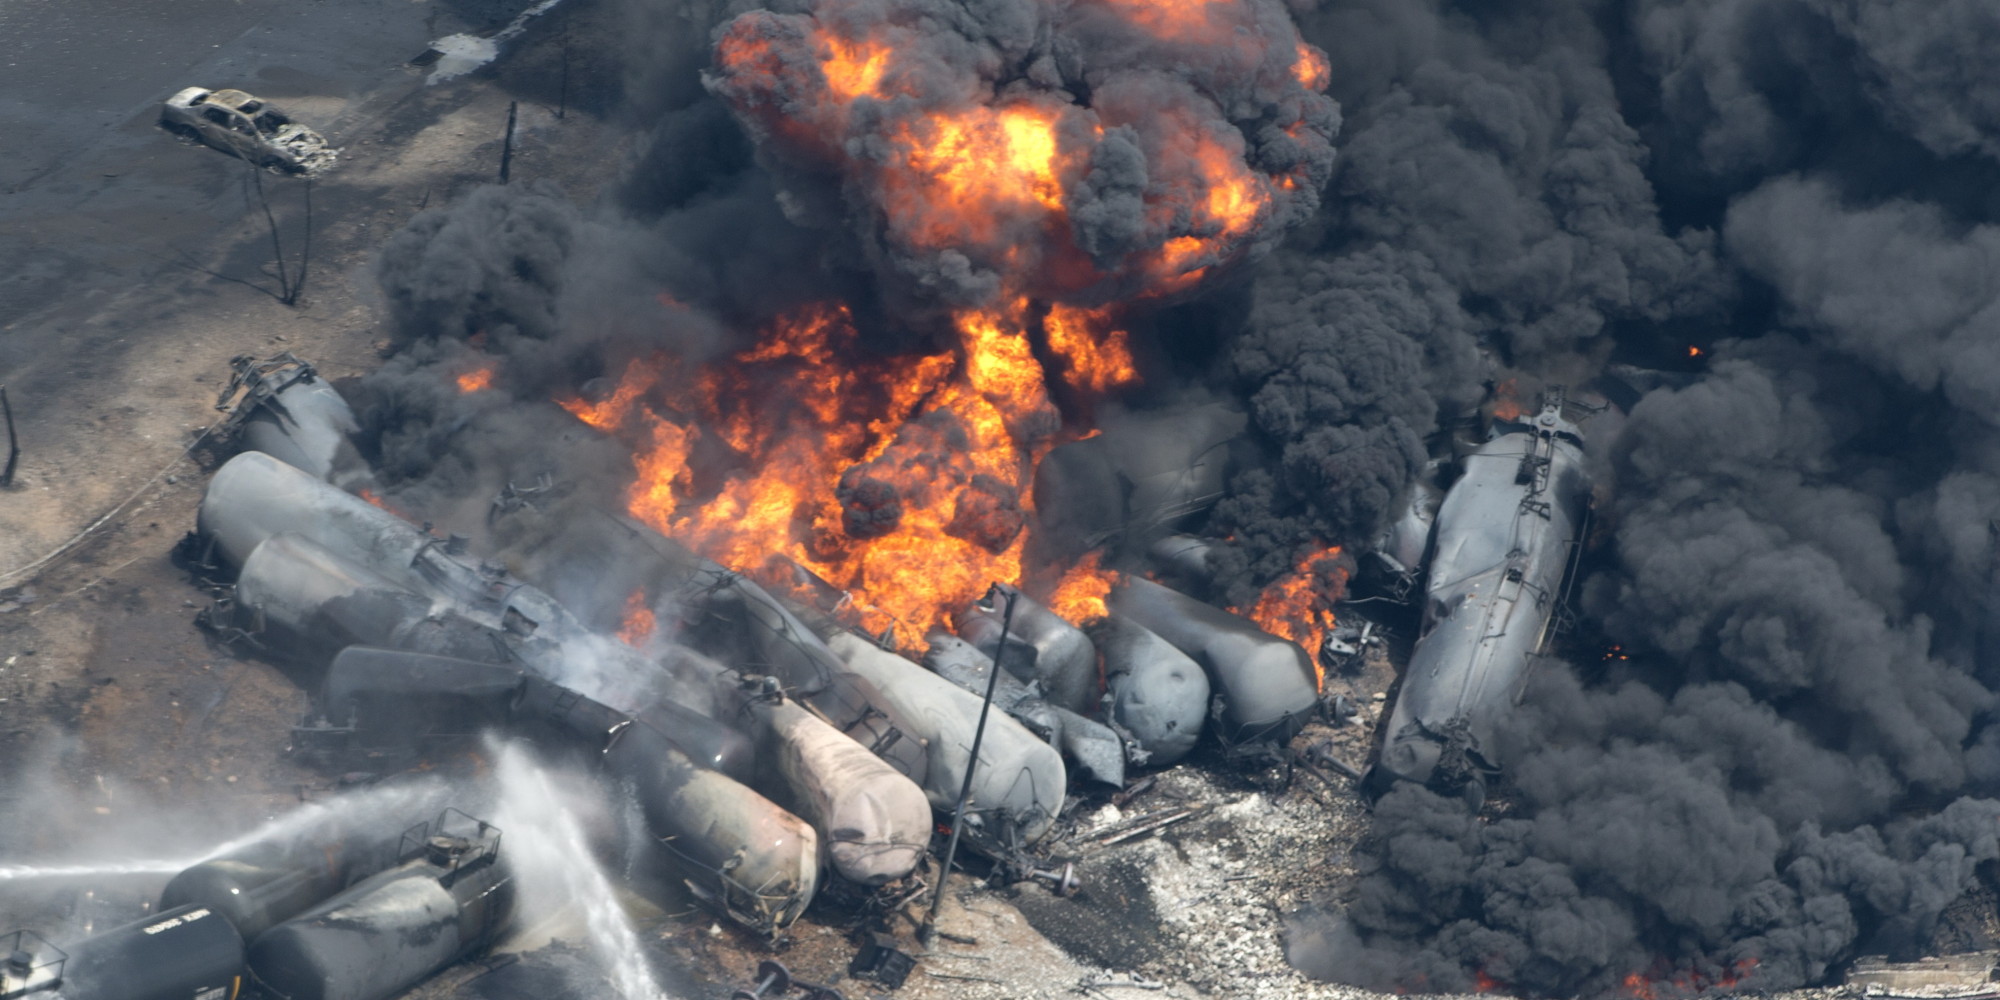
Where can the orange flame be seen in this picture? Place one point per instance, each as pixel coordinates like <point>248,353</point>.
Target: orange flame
<point>1313,70</point>
<point>639,625</point>
<point>1079,596</point>
<point>904,480</point>
<point>901,480</point>
<point>376,499</point>
<point>476,380</point>
<point>1506,402</point>
<point>1299,605</point>
<point>1693,351</point>
<point>609,414</point>
<point>987,172</point>
<point>853,69</point>
<point>1664,982</point>
<point>1098,356</point>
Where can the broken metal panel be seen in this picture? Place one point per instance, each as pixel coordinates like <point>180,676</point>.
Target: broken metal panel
<point>1506,538</point>
<point>1405,542</point>
<point>971,668</point>
<point>1264,686</point>
<point>1157,693</point>
<point>284,408</point>
<point>1097,750</point>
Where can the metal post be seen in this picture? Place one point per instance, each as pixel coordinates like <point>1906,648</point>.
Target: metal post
<point>507,144</point>
<point>13,443</point>
<point>927,934</point>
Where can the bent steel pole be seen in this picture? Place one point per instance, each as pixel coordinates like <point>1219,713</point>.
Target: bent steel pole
<point>927,934</point>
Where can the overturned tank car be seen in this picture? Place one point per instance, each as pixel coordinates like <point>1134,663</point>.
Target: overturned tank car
<point>1509,532</point>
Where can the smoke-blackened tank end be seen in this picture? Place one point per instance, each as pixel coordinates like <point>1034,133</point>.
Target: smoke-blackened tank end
<point>1412,758</point>
<point>872,864</point>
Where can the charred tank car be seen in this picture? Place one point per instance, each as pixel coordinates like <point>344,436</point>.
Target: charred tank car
<point>186,952</point>
<point>392,930</point>
<point>1508,535</point>
<point>1263,686</point>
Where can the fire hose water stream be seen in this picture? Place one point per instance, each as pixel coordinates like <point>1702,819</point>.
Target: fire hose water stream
<point>383,806</point>
<point>555,864</point>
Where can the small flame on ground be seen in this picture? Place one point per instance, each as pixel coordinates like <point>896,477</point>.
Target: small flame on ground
<point>1695,352</point>
<point>1665,985</point>
<point>476,380</point>
<point>1506,400</point>
<point>1299,605</point>
<point>639,625</point>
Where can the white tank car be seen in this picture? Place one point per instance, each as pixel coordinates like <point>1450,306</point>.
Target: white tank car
<point>1018,787</point>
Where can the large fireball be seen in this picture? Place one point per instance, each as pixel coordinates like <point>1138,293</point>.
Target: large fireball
<point>1077,153</point>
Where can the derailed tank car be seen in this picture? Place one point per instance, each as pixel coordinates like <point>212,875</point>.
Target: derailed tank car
<point>391,931</point>
<point>1507,538</point>
<point>756,862</point>
<point>1264,686</point>
<point>188,951</point>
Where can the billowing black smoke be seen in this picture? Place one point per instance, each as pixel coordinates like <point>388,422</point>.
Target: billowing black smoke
<point>1798,543</point>
<point>1797,538</point>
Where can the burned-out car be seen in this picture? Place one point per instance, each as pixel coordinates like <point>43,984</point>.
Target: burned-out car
<point>249,127</point>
